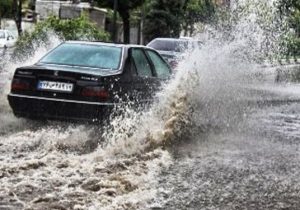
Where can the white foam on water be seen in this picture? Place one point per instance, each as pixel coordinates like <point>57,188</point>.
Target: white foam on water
<point>8,121</point>
<point>47,165</point>
<point>211,79</point>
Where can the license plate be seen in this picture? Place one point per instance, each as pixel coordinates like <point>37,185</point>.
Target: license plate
<point>55,86</point>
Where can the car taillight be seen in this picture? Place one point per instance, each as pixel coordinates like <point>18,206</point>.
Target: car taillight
<point>99,92</point>
<point>19,85</point>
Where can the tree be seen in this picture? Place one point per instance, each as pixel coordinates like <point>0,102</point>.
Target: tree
<point>72,29</point>
<point>164,18</point>
<point>290,10</point>
<point>124,7</point>
<point>12,8</point>
<point>197,11</point>
<point>5,9</point>
<point>17,11</point>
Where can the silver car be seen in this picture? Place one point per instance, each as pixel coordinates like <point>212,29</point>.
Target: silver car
<point>172,49</point>
<point>6,39</point>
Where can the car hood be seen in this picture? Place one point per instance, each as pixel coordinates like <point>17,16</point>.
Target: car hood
<point>78,69</point>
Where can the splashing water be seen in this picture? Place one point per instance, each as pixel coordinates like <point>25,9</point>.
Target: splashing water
<point>210,90</point>
<point>8,121</point>
<point>210,85</point>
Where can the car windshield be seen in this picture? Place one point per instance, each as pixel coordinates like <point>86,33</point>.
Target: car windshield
<point>86,55</point>
<point>169,45</point>
<point>2,35</point>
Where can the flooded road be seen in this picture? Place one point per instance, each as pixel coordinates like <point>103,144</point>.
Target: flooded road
<point>234,155</point>
<point>223,133</point>
<point>256,167</point>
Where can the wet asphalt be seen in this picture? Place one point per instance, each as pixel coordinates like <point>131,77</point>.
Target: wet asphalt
<point>253,165</point>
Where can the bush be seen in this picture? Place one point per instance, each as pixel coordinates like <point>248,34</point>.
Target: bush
<point>293,47</point>
<point>72,29</point>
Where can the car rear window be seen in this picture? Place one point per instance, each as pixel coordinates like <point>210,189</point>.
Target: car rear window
<point>169,45</point>
<point>85,55</point>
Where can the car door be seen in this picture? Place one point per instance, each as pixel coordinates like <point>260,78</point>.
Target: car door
<point>144,80</point>
<point>8,39</point>
<point>161,68</point>
<point>5,41</point>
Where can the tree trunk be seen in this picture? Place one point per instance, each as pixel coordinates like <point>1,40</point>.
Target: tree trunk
<point>126,27</point>
<point>19,17</point>
<point>17,12</point>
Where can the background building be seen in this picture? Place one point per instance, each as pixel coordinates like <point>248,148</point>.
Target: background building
<point>69,10</point>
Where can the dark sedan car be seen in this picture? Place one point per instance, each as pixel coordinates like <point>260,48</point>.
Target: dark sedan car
<point>85,80</point>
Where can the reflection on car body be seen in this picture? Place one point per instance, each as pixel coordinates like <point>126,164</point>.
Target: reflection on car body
<point>86,80</point>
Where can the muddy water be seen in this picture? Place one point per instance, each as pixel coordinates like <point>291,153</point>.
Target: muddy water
<point>218,157</point>
<point>221,134</point>
<point>55,167</point>
<point>252,166</point>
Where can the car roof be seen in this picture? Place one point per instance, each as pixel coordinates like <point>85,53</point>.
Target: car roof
<point>109,44</point>
<point>169,39</point>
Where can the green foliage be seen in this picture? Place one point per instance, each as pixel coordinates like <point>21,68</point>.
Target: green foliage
<point>295,20</point>
<point>73,29</point>
<point>167,18</point>
<point>6,8</point>
<point>293,46</point>
<point>197,11</point>
<point>124,8</point>
<point>290,10</point>
<point>164,18</point>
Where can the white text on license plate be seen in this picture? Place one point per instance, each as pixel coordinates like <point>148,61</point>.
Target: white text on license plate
<point>55,86</point>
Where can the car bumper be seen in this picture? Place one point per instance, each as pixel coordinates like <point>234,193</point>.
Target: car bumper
<point>52,108</point>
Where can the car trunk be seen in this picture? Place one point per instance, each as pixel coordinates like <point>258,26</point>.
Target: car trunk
<point>62,83</point>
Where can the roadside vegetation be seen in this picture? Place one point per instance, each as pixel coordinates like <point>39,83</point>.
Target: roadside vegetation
<point>72,29</point>
<point>124,9</point>
<point>171,18</point>
<point>289,10</point>
<point>156,18</point>
<point>5,9</point>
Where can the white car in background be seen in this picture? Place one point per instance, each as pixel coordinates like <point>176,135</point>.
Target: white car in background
<point>6,39</point>
<point>172,49</point>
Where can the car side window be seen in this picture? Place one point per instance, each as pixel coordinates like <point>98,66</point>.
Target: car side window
<point>161,68</point>
<point>10,35</point>
<point>141,63</point>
